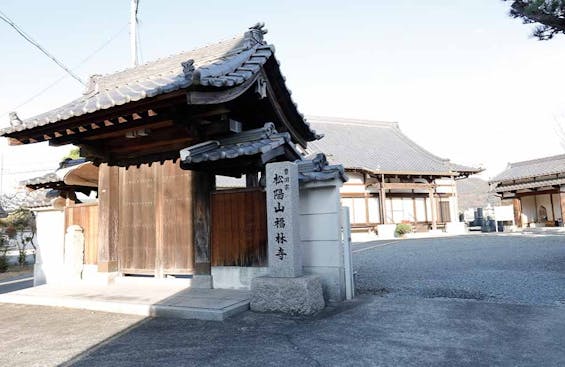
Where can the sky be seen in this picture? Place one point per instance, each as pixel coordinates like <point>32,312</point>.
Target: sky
<point>462,78</point>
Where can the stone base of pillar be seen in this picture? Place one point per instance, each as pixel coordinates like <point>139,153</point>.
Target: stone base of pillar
<point>386,231</point>
<point>296,296</point>
<point>201,281</point>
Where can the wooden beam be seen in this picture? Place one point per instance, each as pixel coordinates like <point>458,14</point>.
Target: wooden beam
<point>562,204</point>
<point>407,186</point>
<point>122,131</point>
<point>103,129</point>
<point>153,103</point>
<point>382,198</point>
<point>433,206</point>
<point>279,112</point>
<point>517,204</point>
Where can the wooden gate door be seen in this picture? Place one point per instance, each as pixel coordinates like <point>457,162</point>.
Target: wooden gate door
<point>239,228</point>
<point>155,220</point>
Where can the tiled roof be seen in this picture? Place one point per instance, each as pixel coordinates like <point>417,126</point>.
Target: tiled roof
<point>533,168</point>
<point>47,180</point>
<point>50,177</point>
<point>224,64</point>
<point>530,185</point>
<point>316,168</point>
<point>377,146</point>
<point>246,143</point>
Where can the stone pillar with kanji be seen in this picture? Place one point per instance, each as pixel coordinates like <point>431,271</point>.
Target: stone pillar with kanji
<point>285,289</point>
<point>284,247</point>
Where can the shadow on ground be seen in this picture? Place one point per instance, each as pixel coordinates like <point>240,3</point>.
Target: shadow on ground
<point>372,331</point>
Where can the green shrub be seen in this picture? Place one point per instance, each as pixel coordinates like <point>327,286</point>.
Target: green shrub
<point>402,229</point>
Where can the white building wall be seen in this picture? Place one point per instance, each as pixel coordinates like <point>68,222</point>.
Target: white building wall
<point>49,262</point>
<point>320,232</point>
<point>557,207</point>
<point>528,209</point>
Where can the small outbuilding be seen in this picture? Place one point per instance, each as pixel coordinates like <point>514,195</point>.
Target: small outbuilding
<point>536,189</point>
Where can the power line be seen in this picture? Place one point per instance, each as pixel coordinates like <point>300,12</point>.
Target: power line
<point>28,38</point>
<point>57,81</point>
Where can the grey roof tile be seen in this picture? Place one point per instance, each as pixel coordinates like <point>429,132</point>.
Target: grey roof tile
<point>225,63</point>
<point>529,185</point>
<point>532,168</point>
<point>248,142</point>
<point>377,146</point>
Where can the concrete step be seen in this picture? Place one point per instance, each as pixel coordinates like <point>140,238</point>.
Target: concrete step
<point>151,299</point>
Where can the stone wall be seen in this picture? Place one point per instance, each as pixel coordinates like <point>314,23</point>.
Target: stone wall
<point>320,233</point>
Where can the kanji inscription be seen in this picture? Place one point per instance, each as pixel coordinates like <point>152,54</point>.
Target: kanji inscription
<point>282,217</point>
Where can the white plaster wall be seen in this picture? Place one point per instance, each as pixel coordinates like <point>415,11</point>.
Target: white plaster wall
<point>374,211</point>
<point>320,233</point>
<point>353,189</point>
<point>557,207</point>
<point>528,209</point>
<point>49,262</point>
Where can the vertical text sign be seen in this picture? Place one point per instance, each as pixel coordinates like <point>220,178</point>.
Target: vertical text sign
<point>285,257</point>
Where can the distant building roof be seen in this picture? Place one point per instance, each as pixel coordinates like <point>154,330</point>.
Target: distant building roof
<point>546,166</point>
<point>379,147</point>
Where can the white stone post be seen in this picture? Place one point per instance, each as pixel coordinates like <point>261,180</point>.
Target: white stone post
<point>74,252</point>
<point>284,251</point>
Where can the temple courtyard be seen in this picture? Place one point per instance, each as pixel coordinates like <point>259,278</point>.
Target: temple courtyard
<point>473,300</point>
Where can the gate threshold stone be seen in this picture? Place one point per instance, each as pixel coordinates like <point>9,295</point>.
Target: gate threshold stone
<point>138,298</point>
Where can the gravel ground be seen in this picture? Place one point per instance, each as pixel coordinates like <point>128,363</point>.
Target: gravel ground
<point>462,301</point>
<point>508,268</point>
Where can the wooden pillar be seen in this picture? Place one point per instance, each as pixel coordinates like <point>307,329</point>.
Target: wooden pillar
<point>252,179</point>
<point>517,204</point>
<point>562,204</point>
<point>434,209</point>
<point>202,185</point>
<point>382,197</point>
<point>108,216</point>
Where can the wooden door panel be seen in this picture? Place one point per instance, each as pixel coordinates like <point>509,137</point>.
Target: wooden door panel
<point>239,228</point>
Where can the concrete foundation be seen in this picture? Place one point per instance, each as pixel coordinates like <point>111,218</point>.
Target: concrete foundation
<point>236,277</point>
<point>297,296</point>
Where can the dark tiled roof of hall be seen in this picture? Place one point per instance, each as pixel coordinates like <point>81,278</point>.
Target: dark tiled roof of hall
<point>378,146</point>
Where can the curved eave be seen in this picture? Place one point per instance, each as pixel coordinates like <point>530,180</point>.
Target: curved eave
<point>403,173</point>
<point>285,108</point>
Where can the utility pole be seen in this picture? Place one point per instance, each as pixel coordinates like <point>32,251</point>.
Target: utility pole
<point>133,32</point>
